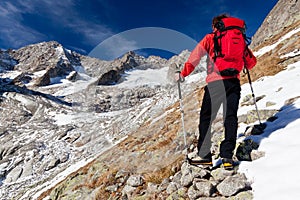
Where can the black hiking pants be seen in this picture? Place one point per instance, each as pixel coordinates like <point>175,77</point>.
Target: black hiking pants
<point>226,92</point>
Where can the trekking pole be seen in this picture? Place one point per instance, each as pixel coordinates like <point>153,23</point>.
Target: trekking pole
<point>253,95</point>
<point>257,129</point>
<point>181,110</point>
<point>182,114</point>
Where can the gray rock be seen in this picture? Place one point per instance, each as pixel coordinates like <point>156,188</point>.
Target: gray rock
<point>176,178</point>
<point>279,15</point>
<point>252,116</point>
<point>220,174</point>
<point>43,80</point>
<point>245,101</point>
<point>63,157</point>
<point>291,101</point>
<point>186,178</point>
<point>128,190</point>
<point>180,194</point>
<point>232,185</point>
<point>246,195</point>
<point>152,188</point>
<point>270,103</point>
<point>112,188</point>
<point>248,100</point>
<point>53,163</point>
<point>47,56</point>
<point>122,175</point>
<point>164,184</point>
<point>172,187</point>
<point>255,154</point>
<point>205,188</point>
<point>8,149</point>
<point>14,174</point>
<point>193,193</point>
<point>135,180</point>
<point>27,169</point>
<point>198,172</point>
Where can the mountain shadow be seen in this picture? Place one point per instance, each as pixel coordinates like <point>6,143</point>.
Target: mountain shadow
<point>6,85</point>
<point>287,114</point>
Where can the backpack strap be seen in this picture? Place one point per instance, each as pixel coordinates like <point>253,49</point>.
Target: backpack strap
<point>217,52</point>
<point>217,45</point>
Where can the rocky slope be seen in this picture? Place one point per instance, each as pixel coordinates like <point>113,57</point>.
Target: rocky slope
<point>75,127</point>
<point>284,14</point>
<point>59,108</point>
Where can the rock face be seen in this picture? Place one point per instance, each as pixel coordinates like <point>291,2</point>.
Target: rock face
<point>50,60</point>
<point>281,16</point>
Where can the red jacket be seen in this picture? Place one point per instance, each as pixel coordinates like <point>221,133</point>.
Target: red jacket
<point>206,46</point>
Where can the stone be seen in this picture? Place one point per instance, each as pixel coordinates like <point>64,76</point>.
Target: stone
<point>247,100</point>
<point>232,185</point>
<point>14,174</point>
<point>220,174</point>
<point>152,188</point>
<point>244,149</point>
<point>180,194</point>
<point>64,157</point>
<point>246,195</point>
<point>255,154</point>
<point>53,163</point>
<point>291,100</point>
<point>112,188</point>
<point>135,180</point>
<point>164,184</point>
<point>27,169</point>
<point>270,103</point>
<point>176,178</point>
<point>205,188</point>
<point>198,172</point>
<point>121,174</point>
<point>172,187</point>
<point>186,178</point>
<point>128,190</point>
<point>252,117</point>
<point>43,80</point>
<point>193,193</point>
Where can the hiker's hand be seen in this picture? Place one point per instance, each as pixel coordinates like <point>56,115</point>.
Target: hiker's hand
<point>179,77</point>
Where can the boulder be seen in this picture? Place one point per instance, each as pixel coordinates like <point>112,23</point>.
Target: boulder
<point>231,185</point>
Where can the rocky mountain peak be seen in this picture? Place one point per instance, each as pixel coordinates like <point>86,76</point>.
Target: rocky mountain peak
<point>43,62</point>
<point>284,14</point>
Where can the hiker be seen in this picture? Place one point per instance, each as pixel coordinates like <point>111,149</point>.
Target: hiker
<point>226,57</point>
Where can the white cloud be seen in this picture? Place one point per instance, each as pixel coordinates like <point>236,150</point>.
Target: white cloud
<point>14,33</point>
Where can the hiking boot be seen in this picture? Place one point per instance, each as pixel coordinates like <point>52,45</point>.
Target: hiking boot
<point>200,161</point>
<point>227,163</point>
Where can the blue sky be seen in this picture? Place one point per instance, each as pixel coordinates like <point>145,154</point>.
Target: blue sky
<point>81,25</point>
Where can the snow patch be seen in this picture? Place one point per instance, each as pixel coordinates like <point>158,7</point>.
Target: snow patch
<point>149,77</point>
<point>273,46</point>
<point>276,175</point>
